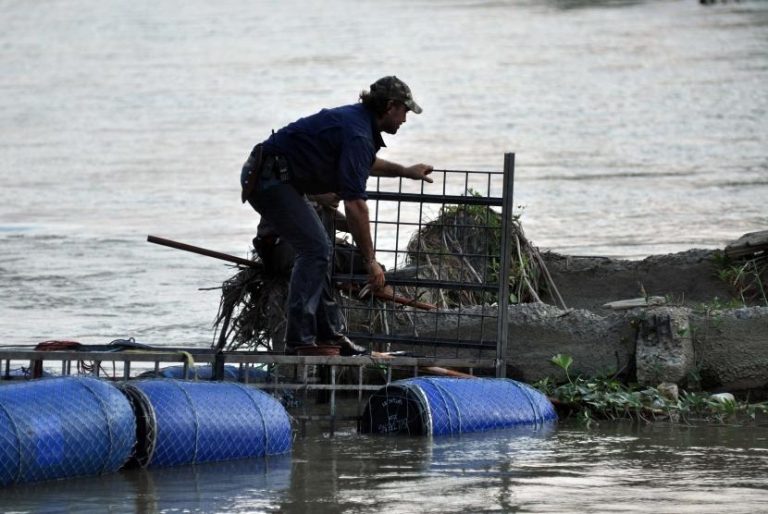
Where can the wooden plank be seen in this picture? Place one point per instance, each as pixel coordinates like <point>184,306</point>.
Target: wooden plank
<point>651,301</point>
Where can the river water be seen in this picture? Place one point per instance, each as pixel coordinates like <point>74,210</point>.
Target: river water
<point>640,127</point>
<point>612,467</point>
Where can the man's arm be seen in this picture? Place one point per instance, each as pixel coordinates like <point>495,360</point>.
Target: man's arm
<point>382,168</point>
<point>330,202</point>
<point>358,221</point>
<point>360,228</point>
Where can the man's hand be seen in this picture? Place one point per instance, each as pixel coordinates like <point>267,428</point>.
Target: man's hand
<point>359,227</point>
<point>329,200</point>
<point>382,168</point>
<point>375,275</point>
<point>419,172</point>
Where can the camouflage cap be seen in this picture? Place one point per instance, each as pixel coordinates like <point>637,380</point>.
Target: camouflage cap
<point>393,88</point>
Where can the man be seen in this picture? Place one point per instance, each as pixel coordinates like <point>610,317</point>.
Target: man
<point>333,151</point>
<point>276,255</point>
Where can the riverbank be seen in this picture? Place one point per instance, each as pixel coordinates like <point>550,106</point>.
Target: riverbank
<point>698,318</point>
<point>674,318</point>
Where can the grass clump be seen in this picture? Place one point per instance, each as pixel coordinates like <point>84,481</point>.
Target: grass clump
<point>463,245</point>
<point>747,277</point>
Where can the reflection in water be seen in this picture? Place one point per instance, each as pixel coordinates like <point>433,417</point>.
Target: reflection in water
<point>609,467</point>
<point>91,494</point>
<point>409,474</point>
<point>235,486</point>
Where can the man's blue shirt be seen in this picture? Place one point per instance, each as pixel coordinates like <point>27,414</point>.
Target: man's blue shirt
<point>331,151</point>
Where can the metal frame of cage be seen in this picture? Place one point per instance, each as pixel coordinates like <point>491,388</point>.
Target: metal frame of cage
<point>397,216</point>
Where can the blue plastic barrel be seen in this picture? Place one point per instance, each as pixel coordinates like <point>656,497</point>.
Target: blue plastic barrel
<point>182,422</point>
<point>450,406</point>
<point>63,427</point>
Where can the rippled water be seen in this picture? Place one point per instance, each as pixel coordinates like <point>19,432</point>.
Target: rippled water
<point>614,467</point>
<point>640,127</point>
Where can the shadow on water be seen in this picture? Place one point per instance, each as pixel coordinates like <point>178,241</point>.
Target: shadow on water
<point>235,486</point>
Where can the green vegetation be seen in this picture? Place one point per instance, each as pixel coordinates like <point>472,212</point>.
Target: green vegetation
<point>719,304</point>
<point>747,277</point>
<point>591,399</point>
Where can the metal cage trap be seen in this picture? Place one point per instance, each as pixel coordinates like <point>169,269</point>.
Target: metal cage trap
<point>445,247</point>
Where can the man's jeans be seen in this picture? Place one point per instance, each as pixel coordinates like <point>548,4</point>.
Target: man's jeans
<point>313,314</point>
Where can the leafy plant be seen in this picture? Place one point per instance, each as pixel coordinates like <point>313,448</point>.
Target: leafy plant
<point>563,362</point>
<point>604,397</point>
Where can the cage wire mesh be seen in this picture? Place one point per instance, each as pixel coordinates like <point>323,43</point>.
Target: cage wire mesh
<point>452,406</point>
<point>186,489</point>
<point>190,422</point>
<point>442,245</point>
<point>63,427</point>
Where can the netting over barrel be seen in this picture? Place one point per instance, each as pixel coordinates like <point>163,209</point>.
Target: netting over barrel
<point>187,422</point>
<point>63,427</point>
<point>450,406</point>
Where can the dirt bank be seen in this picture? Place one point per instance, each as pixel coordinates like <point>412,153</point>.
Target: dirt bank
<point>685,335</point>
<point>686,278</point>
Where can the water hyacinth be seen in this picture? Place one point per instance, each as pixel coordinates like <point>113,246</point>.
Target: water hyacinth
<point>606,397</point>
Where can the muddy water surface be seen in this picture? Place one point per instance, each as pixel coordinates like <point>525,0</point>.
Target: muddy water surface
<point>612,467</point>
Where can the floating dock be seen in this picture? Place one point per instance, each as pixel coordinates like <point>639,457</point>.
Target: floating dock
<point>310,379</point>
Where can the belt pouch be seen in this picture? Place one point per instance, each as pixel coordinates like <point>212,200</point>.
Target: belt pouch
<point>253,167</point>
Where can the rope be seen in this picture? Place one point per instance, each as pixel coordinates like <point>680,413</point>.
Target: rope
<point>194,412</point>
<point>249,394</point>
<point>443,394</point>
<point>190,362</point>
<point>104,412</point>
<point>57,345</point>
<point>539,419</point>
